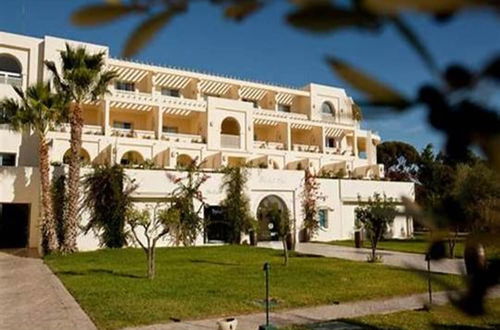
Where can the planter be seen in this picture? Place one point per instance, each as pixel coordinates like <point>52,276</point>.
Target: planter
<point>227,324</point>
<point>358,242</point>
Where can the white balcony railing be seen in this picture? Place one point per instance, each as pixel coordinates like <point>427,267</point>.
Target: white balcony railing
<point>268,145</point>
<point>230,141</point>
<point>183,138</point>
<point>305,148</point>
<point>12,79</point>
<point>132,133</point>
<point>87,129</point>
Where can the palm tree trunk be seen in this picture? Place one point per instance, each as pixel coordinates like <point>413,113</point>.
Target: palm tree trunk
<point>47,226</point>
<point>72,221</point>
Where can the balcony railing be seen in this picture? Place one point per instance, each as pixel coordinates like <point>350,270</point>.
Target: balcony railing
<point>87,129</point>
<point>268,145</point>
<point>230,141</point>
<point>133,133</point>
<point>305,148</point>
<point>11,79</point>
<point>183,138</point>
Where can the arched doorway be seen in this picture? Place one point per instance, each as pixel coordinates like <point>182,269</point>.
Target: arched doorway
<point>84,157</point>
<point>230,133</point>
<point>11,70</point>
<point>267,226</point>
<point>183,161</point>
<point>131,158</point>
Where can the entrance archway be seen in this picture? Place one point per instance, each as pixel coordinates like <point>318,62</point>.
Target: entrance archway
<point>131,158</point>
<point>84,157</point>
<point>267,228</point>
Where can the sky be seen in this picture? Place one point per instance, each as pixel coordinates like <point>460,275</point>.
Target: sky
<point>265,48</point>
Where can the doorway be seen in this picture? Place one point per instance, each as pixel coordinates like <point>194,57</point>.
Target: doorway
<point>14,225</point>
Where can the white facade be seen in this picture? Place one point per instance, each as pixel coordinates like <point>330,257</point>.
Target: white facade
<point>168,116</point>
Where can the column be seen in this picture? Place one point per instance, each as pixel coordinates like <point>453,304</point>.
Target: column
<point>159,122</point>
<point>106,110</point>
<point>288,137</point>
<point>355,143</point>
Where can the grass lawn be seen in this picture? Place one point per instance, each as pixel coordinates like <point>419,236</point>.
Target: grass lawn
<point>419,244</point>
<point>441,317</point>
<point>201,282</point>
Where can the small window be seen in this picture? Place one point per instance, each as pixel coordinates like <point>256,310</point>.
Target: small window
<point>7,159</point>
<point>284,108</point>
<point>122,124</point>
<point>327,109</point>
<point>330,142</point>
<point>323,218</point>
<point>170,129</point>
<point>255,105</point>
<point>125,86</point>
<point>170,92</point>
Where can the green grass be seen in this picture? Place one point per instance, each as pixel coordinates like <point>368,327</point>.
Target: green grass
<point>419,244</point>
<point>206,282</point>
<point>440,317</point>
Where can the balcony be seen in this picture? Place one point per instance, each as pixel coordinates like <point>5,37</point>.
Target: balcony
<point>133,133</point>
<point>87,129</point>
<point>269,145</point>
<point>12,79</point>
<point>230,141</point>
<point>183,138</point>
<point>305,148</point>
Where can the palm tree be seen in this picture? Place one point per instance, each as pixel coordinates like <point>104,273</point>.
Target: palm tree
<point>82,78</point>
<point>38,110</point>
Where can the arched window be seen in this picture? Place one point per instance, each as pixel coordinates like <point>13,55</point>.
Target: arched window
<point>184,161</point>
<point>328,109</point>
<point>10,70</point>
<point>84,157</point>
<point>131,158</point>
<point>230,134</point>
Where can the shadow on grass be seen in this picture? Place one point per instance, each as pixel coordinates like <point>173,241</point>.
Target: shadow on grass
<point>345,324</point>
<point>464,327</point>
<point>99,271</point>
<point>208,262</point>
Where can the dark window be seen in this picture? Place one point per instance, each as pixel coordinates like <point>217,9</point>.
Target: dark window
<point>170,92</point>
<point>122,124</point>
<point>327,109</point>
<point>7,159</point>
<point>170,129</point>
<point>330,142</point>
<point>323,218</point>
<point>125,86</point>
<point>284,108</point>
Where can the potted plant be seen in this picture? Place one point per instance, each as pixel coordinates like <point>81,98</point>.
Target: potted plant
<point>229,323</point>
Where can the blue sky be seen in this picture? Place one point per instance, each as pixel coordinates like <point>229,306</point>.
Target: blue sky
<point>264,48</point>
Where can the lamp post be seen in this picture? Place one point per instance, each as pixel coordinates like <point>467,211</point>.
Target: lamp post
<point>267,326</point>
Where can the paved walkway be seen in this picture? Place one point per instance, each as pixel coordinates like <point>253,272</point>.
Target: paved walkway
<point>316,314</point>
<point>32,297</point>
<point>392,258</point>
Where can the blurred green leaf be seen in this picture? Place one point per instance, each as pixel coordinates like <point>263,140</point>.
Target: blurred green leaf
<point>376,91</point>
<point>325,17</point>
<point>100,14</point>
<point>146,31</point>
<point>388,7</point>
<point>242,9</point>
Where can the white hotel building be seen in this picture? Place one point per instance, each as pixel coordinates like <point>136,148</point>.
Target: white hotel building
<point>166,117</point>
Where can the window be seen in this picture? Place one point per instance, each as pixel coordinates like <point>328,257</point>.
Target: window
<point>327,109</point>
<point>255,105</point>
<point>323,218</point>
<point>330,142</point>
<point>284,108</point>
<point>125,86</point>
<point>7,159</point>
<point>170,129</point>
<point>170,92</point>
<point>122,124</point>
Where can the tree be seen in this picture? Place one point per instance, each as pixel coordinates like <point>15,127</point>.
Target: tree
<point>400,160</point>
<point>156,223</point>
<point>184,195</point>
<point>39,110</point>
<point>59,204</point>
<point>107,197</point>
<point>236,204</point>
<point>375,217</point>
<point>280,218</point>
<point>82,78</point>
<point>309,205</point>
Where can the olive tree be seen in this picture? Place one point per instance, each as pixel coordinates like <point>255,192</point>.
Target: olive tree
<point>375,216</point>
